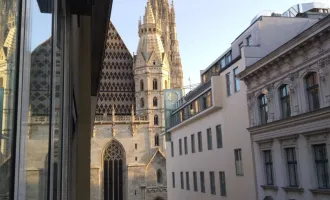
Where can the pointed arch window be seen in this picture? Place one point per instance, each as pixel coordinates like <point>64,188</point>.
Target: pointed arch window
<point>141,85</point>
<point>263,108</point>
<point>142,102</point>
<point>156,120</point>
<point>312,89</point>
<point>159,176</point>
<point>154,84</point>
<point>165,84</point>
<point>157,140</point>
<point>113,165</point>
<point>285,101</point>
<point>155,102</point>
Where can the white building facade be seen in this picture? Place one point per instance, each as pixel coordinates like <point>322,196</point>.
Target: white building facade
<point>209,151</point>
<point>288,94</point>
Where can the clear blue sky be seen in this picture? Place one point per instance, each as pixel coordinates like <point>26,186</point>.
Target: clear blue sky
<point>205,28</point>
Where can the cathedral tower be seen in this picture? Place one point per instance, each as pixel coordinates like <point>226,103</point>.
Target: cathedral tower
<point>165,16</point>
<point>151,70</point>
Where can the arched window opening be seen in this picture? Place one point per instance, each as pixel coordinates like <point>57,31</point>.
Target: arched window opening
<point>113,166</point>
<point>159,176</point>
<point>141,85</point>
<point>156,120</point>
<point>165,84</point>
<point>154,84</point>
<point>157,140</point>
<point>312,89</point>
<point>154,62</point>
<point>155,102</point>
<point>263,108</point>
<point>285,101</point>
<point>142,102</point>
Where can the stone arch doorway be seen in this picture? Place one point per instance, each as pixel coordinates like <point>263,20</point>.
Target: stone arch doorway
<point>113,171</point>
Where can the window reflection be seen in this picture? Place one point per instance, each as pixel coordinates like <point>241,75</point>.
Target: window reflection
<point>8,69</point>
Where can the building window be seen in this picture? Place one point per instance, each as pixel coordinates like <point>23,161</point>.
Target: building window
<point>182,180</point>
<point>156,140</point>
<point>240,46</point>
<point>180,147</point>
<point>135,146</point>
<point>165,84</point>
<point>159,176</point>
<point>187,181</point>
<point>195,181</point>
<point>219,136</point>
<point>229,57</point>
<point>248,41</point>
<point>154,84</point>
<point>202,182</point>
<point>154,102</point>
<point>223,62</point>
<point>209,99</point>
<point>285,101</point>
<point>185,145</point>
<point>141,85</point>
<point>228,84</point>
<point>200,142</point>
<point>142,102</point>
<point>312,88</point>
<point>173,179</point>
<point>321,162</point>
<point>209,139</point>
<point>212,183</point>
<point>236,79</point>
<point>192,143</point>
<point>238,162</point>
<point>172,149</point>
<point>292,166</point>
<point>263,107</point>
<point>156,120</point>
<point>222,184</point>
<point>268,167</point>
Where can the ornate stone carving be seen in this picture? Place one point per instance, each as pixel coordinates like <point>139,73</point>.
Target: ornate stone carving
<point>323,62</point>
<point>296,109</point>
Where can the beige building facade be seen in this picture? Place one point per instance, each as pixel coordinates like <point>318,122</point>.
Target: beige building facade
<point>288,94</point>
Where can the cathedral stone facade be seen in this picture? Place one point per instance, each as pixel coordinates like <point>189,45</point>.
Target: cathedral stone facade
<point>127,148</point>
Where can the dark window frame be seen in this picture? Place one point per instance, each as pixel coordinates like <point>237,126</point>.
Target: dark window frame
<point>212,183</point>
<point>185,144</point>
<point>228,84</point>
<point>182,180</point>
<point>173,179</point>
<point>218,129</point>
<point>238,158</point>
<point>209,139</point>
<point>237,86</point>
<point>180,147</point>
<point>154,84</point>
<point>322,162</point>
<point>172,149</point>
<point>313,91</point>
<point>223,190</point>
<point>187,181</point>
<point>202,182</point>
<point>192,140</point>
<point>268,161</point>
<point>195,181</point>
<point>155,102</point>
<point>248,40</point>
<point>285,101</point>
<point>141,85</point>
<point>263,108</point>
<point>292,166</point>
<point>200,141</point>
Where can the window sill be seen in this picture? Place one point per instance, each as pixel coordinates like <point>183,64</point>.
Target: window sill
<point>293,189</point>
<point>320,191</point>
<point>269,187</point>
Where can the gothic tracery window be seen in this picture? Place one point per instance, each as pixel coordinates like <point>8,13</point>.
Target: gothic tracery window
<point>156,120</point>
<point>154,84</point>
<point>155,102</point>
<point>141,85</point>
<point>113,165</point>
<point>142,102</point>
<point>159,176</point>
<point>157,140</point>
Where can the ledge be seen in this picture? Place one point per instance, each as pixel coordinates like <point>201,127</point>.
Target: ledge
<point>320,191</point>
<point>293,189</point>
<point>269,187</point>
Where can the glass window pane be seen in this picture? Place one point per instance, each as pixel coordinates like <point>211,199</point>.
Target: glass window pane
<point>8,93</point>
